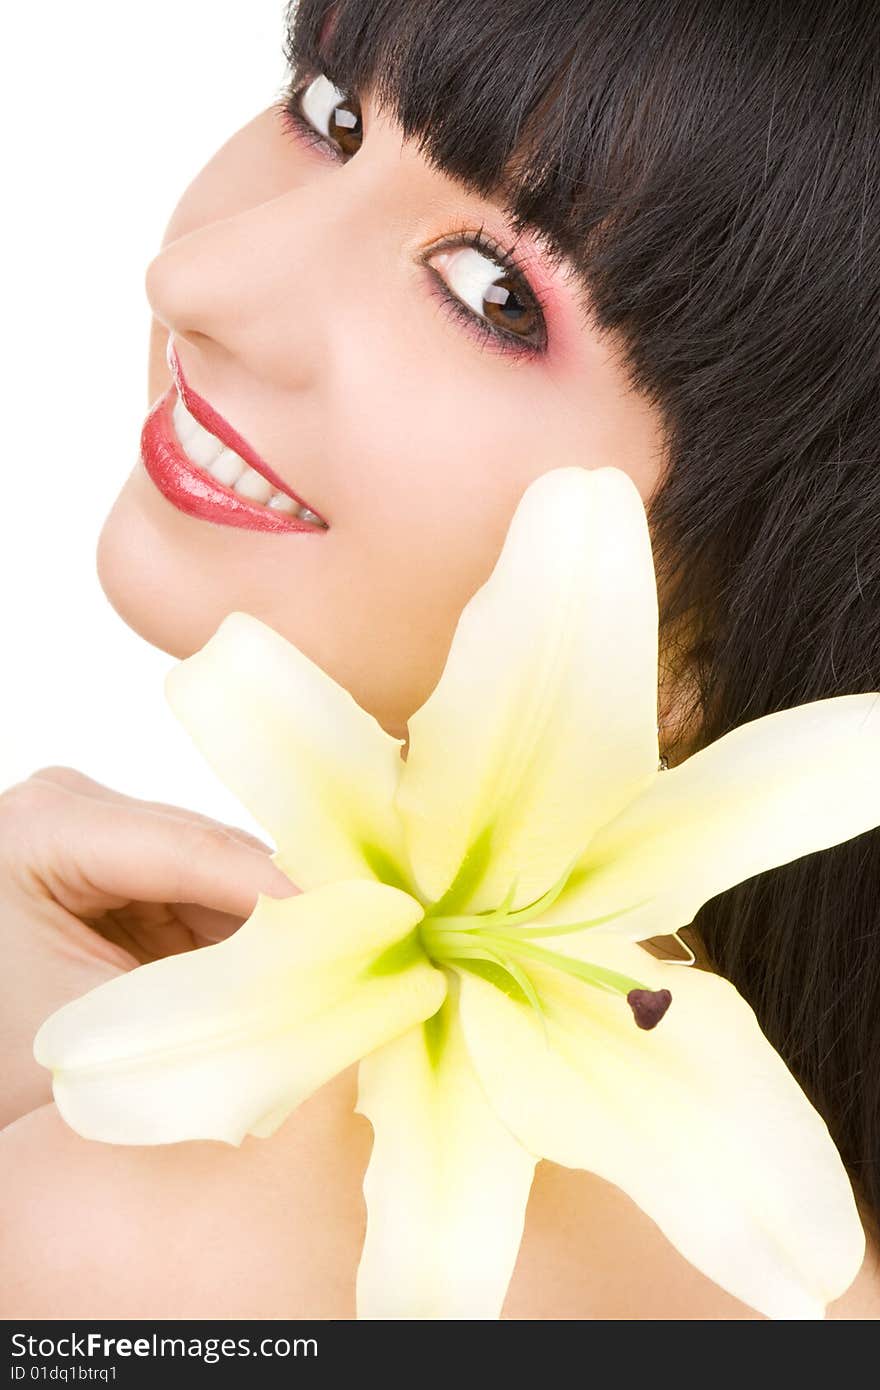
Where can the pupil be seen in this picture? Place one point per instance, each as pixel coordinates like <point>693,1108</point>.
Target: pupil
<point>345,127</point>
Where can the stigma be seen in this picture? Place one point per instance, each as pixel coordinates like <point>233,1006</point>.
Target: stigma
<point>649,1005</point>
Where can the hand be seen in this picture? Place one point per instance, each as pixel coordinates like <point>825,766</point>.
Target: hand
<point>93,883</point>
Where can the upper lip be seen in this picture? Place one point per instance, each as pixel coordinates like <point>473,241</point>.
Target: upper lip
<point>215,424</point>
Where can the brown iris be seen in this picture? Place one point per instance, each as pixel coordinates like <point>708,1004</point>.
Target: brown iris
<point>504,308</point>
<point>345,126</point>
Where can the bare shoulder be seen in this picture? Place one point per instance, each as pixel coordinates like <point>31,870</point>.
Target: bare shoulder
<point>271,1229</point>
<point>861,1302</point>
<point>589,1253</point>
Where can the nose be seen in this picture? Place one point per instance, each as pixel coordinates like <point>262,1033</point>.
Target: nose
<point>275,284</point>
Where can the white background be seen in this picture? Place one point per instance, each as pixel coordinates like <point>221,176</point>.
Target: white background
<point>109,109</point>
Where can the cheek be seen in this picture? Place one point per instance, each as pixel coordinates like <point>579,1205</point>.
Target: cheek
<point>442,464</point>
<point>438,475</point>
<point>444,459</point>
<point>594,420</point>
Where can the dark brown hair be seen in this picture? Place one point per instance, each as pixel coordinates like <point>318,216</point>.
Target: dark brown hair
<point>712,170</point>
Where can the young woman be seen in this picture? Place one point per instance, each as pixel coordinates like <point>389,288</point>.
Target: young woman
<point>472,243</point>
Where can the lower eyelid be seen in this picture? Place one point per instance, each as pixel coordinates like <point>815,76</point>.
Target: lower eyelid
<point>480,328</point>
<point>304,133</point>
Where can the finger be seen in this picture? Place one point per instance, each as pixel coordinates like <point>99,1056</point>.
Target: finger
<point>206,926</point>
<point>150,930</point>
<point>93,855</point>
<point>73,780</point>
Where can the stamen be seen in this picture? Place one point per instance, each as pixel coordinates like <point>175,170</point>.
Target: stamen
<point>457,939</point>
<point>570,928</point>
<point>545,901</point>
<point>649,1005</point>
<point>611,981</point>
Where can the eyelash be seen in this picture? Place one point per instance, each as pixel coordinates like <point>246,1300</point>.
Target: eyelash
<point>296,122</point>
<point>484,331</point>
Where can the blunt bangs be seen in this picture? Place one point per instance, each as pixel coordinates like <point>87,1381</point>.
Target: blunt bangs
<point>711,170</point>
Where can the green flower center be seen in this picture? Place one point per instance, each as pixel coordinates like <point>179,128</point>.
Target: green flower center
<point>500,940</point>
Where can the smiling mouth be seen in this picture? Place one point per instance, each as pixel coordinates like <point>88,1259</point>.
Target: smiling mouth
<point>216,449</point>
<point>229,469</point>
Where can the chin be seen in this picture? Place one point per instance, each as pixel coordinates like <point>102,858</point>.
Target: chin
<point>137,577</point>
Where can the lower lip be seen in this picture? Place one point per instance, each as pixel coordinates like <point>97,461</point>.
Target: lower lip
<point>196,493</point>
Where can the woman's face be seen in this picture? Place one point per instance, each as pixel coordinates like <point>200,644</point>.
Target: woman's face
<point>293,285</point>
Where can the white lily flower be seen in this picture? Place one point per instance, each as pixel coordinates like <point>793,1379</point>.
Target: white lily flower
<point>469,927</point>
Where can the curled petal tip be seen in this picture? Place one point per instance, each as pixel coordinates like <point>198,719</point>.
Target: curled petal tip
<point>649,1005</point>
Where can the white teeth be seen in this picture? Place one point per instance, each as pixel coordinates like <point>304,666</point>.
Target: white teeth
<point>184,423</point>
<point>279,503</point>
<point>206,450</point>
<point>201,446</point>
<point>254,486</point>
<point>227,468</point>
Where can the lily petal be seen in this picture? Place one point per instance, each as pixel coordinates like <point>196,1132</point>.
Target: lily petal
<point>447,1184</point>
<point>227,1040</point>
<point>699,1121</point>
<point>299,752</point>
<point>543,723</point>
<point>770,791</point>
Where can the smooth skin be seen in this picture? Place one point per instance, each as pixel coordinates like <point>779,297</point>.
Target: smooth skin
<point>290,281</point>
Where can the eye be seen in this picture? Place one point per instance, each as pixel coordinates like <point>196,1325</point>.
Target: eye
<point>483,279</point>
<point>325,115</point>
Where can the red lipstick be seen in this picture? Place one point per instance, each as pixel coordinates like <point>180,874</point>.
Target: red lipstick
<point>193,490</point>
